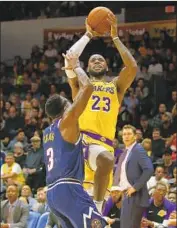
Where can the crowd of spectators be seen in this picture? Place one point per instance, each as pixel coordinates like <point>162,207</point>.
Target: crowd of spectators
<point>41,10</point>
<point>150,104</point>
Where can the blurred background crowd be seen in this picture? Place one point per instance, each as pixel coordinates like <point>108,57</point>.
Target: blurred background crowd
<point>150,104</point>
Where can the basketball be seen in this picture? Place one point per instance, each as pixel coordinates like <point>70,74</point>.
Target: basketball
<point>97,20</point>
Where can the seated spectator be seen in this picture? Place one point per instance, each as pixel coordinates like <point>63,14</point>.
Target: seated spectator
<point>41,206</point>
<point>155,67</point>
<point>20,137</point>
<point>112,208</point>
<point>159,209</point>
<point>34,165</point>
<point>169,165</point>
<point>172,197</point>
<point>26,197</point>
<point>50,52</point>
<point>139,136</point>
<point>143,73</point>
<point>145,127</point>
<point>130,101</point>
<point>171,75</point>
<point>173,100</point>
<point>167,128</point>
<point>35,93</point>
<point>8,105</point>
<point>13,122</point>
<point>158,144</point>
<point>172,143</point>
<point>157,120</point>
<point>159,176</point>
<point>5,140</point>
<point>19,155</point>
<point>11,172</point>
<point>147,145</point>
<point>173,180</point>
<point>14,213</point>
<point>144,91</point>
<point>26,104</point>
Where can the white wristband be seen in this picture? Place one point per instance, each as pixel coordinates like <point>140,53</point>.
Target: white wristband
<point>79,46</point>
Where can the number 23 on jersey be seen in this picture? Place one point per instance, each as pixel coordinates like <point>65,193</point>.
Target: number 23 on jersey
<point>97,101</point>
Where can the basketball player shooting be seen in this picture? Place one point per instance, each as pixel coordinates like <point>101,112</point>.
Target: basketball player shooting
<point>64,159</point>
<point>98,121</point>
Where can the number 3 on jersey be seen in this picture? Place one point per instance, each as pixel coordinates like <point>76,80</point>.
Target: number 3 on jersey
<point>50,158</point>
<point>96,104</point>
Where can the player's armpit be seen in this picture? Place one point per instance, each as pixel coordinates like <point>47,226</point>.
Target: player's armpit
<point>124,80</point>
<point>69,124</point>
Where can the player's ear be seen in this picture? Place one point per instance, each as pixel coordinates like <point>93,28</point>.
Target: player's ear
<point>87,70</point>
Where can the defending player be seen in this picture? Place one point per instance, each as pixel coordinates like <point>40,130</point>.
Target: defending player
<point>64,159</point>
<point>98,121</point>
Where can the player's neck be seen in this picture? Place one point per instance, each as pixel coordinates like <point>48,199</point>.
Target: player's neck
<point>101,78</point>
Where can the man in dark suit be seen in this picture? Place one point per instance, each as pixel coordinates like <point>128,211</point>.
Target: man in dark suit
<point>133,171</point>
<point>14,213</point>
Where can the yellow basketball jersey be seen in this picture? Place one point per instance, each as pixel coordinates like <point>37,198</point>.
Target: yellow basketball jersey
<point>100,114</point>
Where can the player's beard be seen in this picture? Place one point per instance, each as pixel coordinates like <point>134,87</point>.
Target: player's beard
<point>95,74</point>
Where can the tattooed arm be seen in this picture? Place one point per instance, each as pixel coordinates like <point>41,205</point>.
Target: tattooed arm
<point>128,73</point>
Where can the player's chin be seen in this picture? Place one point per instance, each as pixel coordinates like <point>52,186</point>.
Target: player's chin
<point>97,72</point>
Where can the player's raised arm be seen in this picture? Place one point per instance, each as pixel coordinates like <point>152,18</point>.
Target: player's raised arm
<point>77,50</point>
<point>69,123</point>
<point>128,73</point>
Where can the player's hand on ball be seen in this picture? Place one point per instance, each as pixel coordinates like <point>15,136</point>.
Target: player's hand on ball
<point>90,30</point>
<point>113,22</point>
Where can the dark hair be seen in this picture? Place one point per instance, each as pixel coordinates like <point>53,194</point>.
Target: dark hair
<point>40,189</point>
<point>128,126</point>
<point>54,106</point>
<point>20,130</point>
<point>156,129</point>
<point>14,185</point>
<point>160,166</point>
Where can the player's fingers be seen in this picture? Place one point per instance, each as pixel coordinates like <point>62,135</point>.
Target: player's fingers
<point>65,56</point>
<point>72,55</point>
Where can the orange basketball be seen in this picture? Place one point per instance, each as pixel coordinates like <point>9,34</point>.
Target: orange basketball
<point>97,20</point>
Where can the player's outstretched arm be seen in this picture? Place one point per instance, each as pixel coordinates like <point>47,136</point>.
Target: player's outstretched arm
<point>77,50</point>
<point>128,73</point>
<point>69,124</point>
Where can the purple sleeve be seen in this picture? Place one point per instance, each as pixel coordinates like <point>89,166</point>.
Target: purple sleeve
<point>109,204</point>
<point>170,206</point>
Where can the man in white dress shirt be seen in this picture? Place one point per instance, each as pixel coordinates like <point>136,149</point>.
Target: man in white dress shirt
<point>133,171</point>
